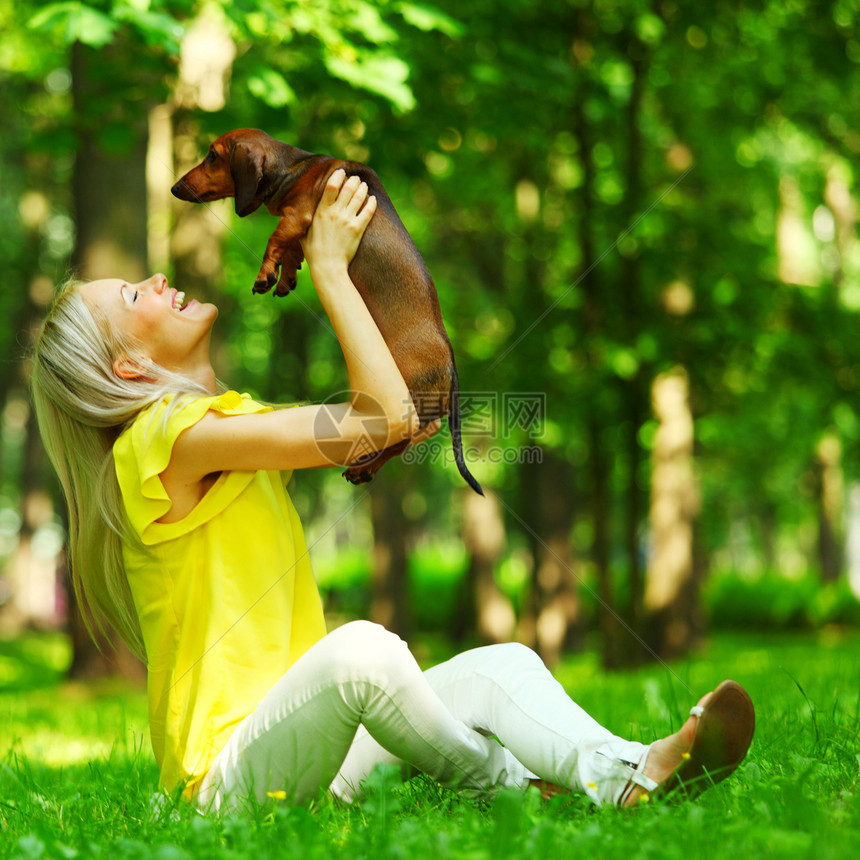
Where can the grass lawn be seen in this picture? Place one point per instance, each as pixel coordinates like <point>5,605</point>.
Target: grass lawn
<point>77,777</point>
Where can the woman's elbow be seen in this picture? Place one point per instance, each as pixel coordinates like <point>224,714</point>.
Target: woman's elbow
<point>382,426</point>
<point>399,421</point>
<point>397,427</point>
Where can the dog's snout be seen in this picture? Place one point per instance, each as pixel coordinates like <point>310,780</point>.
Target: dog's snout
<point>181,190</point>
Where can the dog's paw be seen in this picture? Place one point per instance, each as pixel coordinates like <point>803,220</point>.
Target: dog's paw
<point>358,476</point>
<point>285,286</point>
<point>266,279</point>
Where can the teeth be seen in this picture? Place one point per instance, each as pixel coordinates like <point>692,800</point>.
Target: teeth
<point>180,298</point>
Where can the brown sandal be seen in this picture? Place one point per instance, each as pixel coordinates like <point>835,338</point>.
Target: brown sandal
<point>724,731</point>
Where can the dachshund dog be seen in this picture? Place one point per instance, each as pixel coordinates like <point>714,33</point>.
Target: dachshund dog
<point>387,270</point>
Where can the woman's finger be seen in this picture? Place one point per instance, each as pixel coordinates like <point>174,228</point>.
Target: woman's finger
<point>363,217</point>
<point>358,198</point>
<point>348,190</point>
<point>333,186</point>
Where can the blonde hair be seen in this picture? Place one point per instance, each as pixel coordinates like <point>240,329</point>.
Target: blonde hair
<point>82,406</point>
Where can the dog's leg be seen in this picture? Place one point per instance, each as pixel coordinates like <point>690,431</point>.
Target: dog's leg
<point>284,254</point>
<point>364,468</point>
<point>291,262</point>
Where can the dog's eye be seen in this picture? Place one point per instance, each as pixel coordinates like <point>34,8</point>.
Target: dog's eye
<point>210,157</point>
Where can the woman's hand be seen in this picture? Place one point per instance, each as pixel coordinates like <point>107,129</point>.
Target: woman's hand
<point>341,217</point>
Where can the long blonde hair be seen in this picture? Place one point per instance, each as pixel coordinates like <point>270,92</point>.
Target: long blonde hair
<point>82,406</point>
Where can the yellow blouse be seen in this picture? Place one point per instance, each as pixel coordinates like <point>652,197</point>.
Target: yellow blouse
<point>226,596</point>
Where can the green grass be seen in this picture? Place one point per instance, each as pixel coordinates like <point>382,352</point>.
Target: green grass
<point>77,777</point>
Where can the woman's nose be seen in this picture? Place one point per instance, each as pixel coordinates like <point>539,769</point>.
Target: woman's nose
<point>159,282</point>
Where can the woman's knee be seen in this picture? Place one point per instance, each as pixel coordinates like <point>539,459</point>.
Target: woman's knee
<point>515,653</point>
<point>365,634</point>
<point>509,660</point>
<point>367,648</point>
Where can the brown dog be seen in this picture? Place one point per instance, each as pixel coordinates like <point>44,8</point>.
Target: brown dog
<point>387,270</point>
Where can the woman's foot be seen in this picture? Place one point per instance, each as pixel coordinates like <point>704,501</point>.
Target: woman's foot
<point>706,749</point>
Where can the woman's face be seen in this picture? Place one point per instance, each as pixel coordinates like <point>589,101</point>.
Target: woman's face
<point>172,334</point>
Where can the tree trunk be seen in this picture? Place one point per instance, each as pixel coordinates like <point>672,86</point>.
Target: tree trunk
<point>633,514</point>
<point>198,229</point>
<point>109,186</point>
<point>555,603</point>
<point>828,493</point>
<point>598,458</point>
<point>111,224</point>
<point>634,388</point>
<point>852,542</point>
<point>672,591</point>
<point>481,607</point>
<point>389,601</point>
<point>598,467</point>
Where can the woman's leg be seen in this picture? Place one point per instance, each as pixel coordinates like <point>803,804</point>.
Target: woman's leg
<point>360,674</point>
<point>507,691</point>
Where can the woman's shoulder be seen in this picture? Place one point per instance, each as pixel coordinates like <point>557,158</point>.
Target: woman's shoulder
<point>143,452</point>
<point>186,409</point>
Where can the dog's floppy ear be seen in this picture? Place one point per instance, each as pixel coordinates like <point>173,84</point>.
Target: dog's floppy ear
<point>246,168</point>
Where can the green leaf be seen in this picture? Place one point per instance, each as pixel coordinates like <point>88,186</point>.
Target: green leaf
<point>271,87</point>
<point>157,28</point>
<point>624,362</point>
<point>384,74</point>
<point>650,28</point>
<point>81,23</point>
<point>367,21</point>
<point>427,18</point>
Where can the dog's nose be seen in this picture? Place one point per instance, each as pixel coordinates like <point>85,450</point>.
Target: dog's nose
<point>180,190</point>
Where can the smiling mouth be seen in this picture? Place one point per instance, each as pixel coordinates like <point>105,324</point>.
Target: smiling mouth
<point>178,300</point>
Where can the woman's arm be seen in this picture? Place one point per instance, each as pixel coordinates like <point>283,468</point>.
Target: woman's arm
<point>380,410</point>
<point>344,212</point>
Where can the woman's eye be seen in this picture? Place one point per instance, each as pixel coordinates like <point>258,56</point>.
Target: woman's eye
<point>134,299</point>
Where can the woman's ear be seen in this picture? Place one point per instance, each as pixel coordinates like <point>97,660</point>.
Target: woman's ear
<point>130,368</point>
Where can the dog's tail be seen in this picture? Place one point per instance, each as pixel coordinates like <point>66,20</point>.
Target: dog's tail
<point>454,427</point>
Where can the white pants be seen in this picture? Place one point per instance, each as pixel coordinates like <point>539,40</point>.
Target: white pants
<point>489,717</point>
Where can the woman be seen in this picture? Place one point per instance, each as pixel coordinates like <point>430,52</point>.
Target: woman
<point>183,539</point>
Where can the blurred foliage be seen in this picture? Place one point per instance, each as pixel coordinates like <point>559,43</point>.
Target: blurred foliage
<point>771,601</point>
<point>701,149</point>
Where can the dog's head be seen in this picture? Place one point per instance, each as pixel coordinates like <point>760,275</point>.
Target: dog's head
<point>234,167</point>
